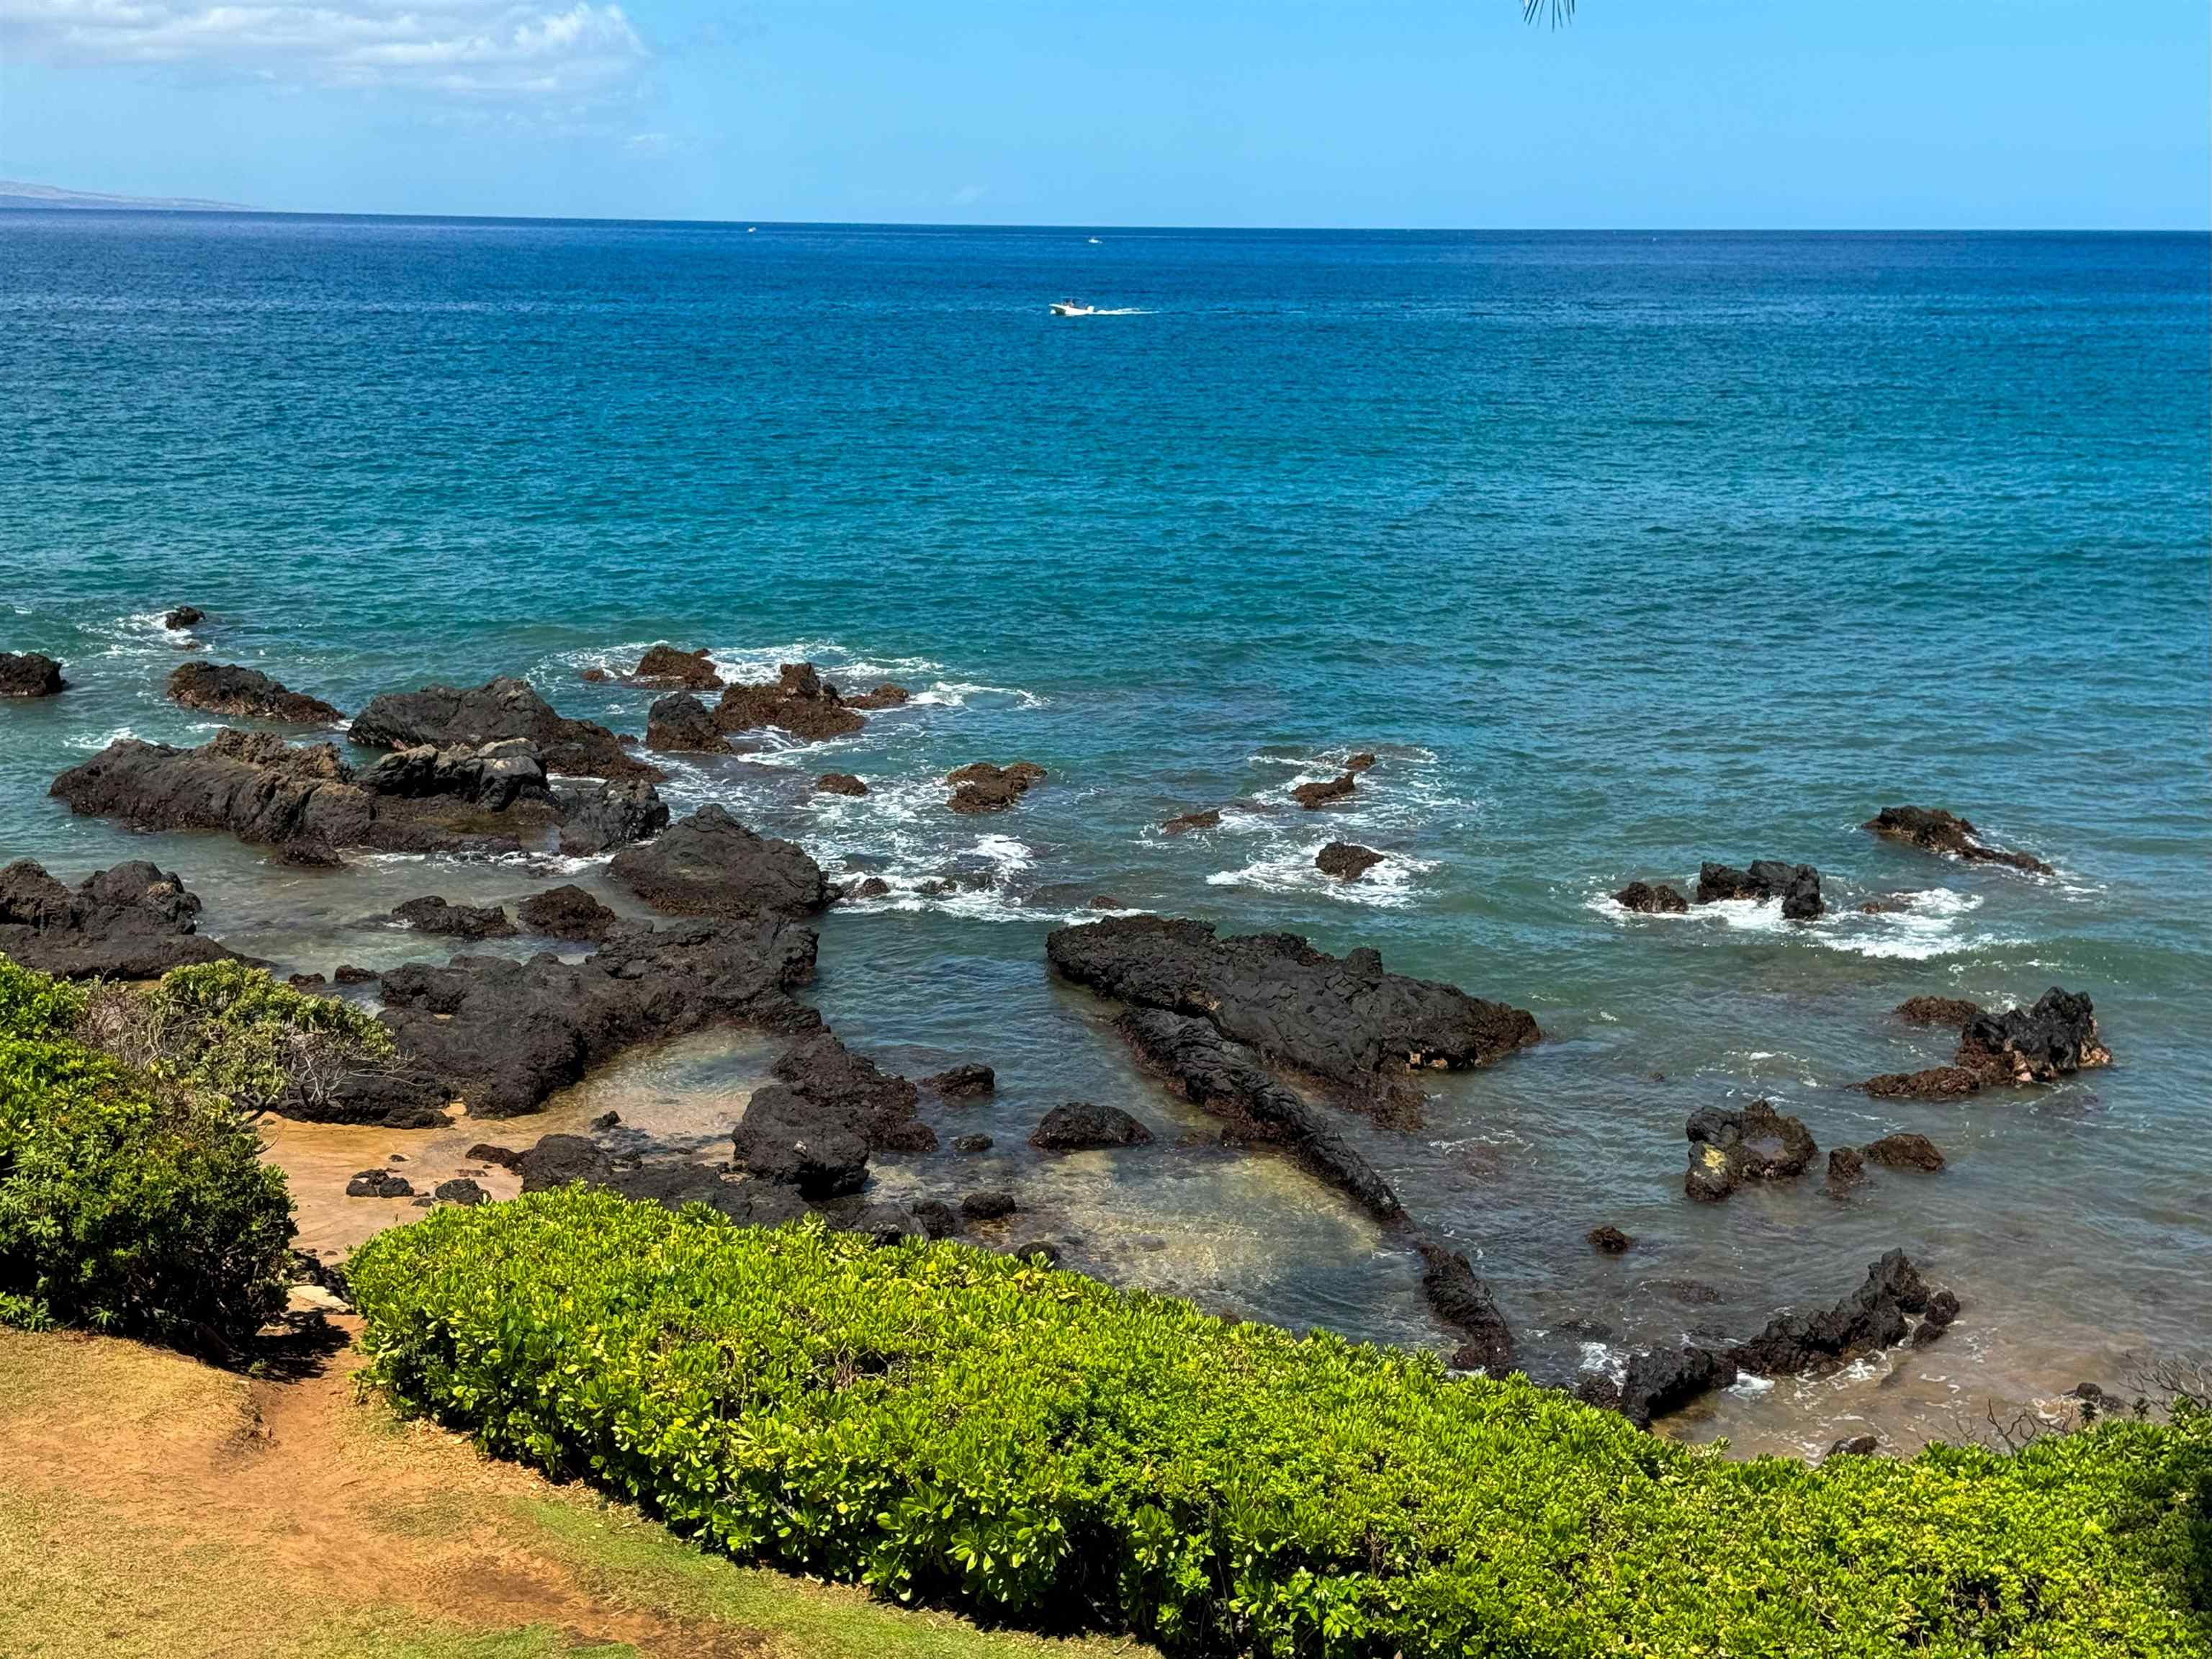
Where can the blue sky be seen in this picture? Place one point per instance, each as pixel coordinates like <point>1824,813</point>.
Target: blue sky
<point>2013,113</point>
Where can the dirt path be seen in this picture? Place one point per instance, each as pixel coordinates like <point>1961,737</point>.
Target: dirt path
<point>160,1507</point>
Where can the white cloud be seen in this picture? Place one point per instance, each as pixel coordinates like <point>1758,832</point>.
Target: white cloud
<point>488,50</point>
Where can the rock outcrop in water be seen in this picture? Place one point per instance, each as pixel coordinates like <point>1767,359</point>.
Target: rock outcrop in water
<point>1797,885</point>
<point>1932,829</point>
<point>665,665</point>
<point>1324,791</point>
<point>502,1035</point>
<point>1345,1019</point>
<point>448,717</point>
<point>306,803</point>
<point>184,616</point>
<point>980,787</point>
<point>133,921</point>
<point>828,1111</point>
<point>1080,1125</point>
<point>1954,1012</point>
<point>710,864</point>
<point>1652,899</point>
<point>28,674</point>
<point>1872,1317</point>
<point>1346,860</point>
<point>247,694</point>
<point>839,783</point>
<point>2054,1038</point>
<point>1205,818</point>
<point>679,724</point>
<point>566,912</point>
<point>1727,1149</point>
<point>434,914</point>
<point>798,700</point>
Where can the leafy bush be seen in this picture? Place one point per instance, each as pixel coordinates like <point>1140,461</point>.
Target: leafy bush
<point>235,1031</point>
<point>940,1423</point>
<point>125,1205</point>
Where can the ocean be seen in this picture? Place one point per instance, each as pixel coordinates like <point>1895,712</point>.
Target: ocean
<point>1619,551</point>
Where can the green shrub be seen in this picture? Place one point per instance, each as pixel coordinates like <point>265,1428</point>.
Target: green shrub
<point>125,1205</point>
<point>237,1032</point>
<point>940,1423</point>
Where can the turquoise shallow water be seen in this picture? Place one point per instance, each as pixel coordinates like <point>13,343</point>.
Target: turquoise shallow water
<point>1621,551</point>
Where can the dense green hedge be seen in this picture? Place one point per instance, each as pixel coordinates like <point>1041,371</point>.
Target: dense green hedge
<point>126,1203</point>
<point>943,1423</point>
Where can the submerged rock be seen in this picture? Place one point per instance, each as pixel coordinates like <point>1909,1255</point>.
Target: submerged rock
<point>1079,1126</point>
<point>567,912</point>
<point>1935,831</point>
<point>1797,885</point>
<point>1342,1019</point>
<point>184,616</point>
<point>308,804</point>
<point>839,783</point>
<point>471,921</point>
<point>503,1034</point>
<point>966,1081</point>
<point>1902,1151</point>
<point>246,693</point>
<point>1226,1080</point>
<point>710,864</point>
<point>679,724</point>
<point>888,695</point>
<point>1209,820</point>
<point>28,674</point>
<point>1727,1149</point>
<point>1652,899</point>
<point>1610,1241</point>
<point>1954,1012</point>
<point>1846,1168</point>
<point>1346,860</point>
<point>448,717</point>
<point>996,1205</point>
<point>980,786</point>
<point>134,921</point>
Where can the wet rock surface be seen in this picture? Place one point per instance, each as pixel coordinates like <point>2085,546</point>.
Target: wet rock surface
<point>1652,899</point>
<point>839,783</point>
<point>1325,791</point>
<point>1797,885</point>
<point>1871,1318</point>
<point>1610,1241</point>
<point>663,664</point>
<point>1903,1152</point>
<point>1210,818</point>
<point>1932,829</point>
<point>379,1183</point>
<point>980,786</point>
<point>133,921</point>
<point>247,694</point>
<point>2054,1039</point>
<point>1659,1380</point>
<point>798,700</point>
<point>679,724</point>
<point>1729,1149</point>
<point>1346,860</point>
<point>1080,1125</point>
<point>503,1034</point>
<point>184,616</point>
<point>471,922</point>
<point>448,717</point>
<point>1460,1298</point>
<point>459,1190</point>
<point>29,674</point>
<point>1345,1019</point>
<point>994,1205</point>
<point>306,803</point>
<point>828,1111</point>
<point>566,912</point>
<point>710,864</point>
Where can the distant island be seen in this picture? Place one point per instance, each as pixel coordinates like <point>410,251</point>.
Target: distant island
<point>15,194</point>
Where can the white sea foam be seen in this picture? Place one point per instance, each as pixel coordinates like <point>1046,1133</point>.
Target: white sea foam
<point>1388,885</point>
<point>1934,923</point>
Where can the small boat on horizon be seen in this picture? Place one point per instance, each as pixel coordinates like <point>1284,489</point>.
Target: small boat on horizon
<point>1069,308</point>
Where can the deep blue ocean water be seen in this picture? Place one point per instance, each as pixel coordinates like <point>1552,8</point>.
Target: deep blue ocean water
<point>1621,551</point>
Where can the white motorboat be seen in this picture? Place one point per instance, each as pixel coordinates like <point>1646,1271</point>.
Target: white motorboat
<point>1069,308</point>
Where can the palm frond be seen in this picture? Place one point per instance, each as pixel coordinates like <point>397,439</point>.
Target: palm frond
<point>1563,11</point>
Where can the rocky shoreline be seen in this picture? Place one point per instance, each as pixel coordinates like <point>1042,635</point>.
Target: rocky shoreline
<point>1286,1046</point>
